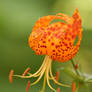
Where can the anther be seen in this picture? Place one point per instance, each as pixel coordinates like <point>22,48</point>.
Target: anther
<point>57,76</point>
<point>11,75</point>
<point>76,66</point>
<point>28,85</point>
<point>73,87</point>
<point>58,89</point>
<point>26,71</point>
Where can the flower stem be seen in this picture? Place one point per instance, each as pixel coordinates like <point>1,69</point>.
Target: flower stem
<point>76,70</point>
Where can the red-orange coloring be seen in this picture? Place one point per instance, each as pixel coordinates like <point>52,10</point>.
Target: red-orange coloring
<point>11,75</point>
<point>57,76</point>
<point>73,87</point>
<point>76,66</point>
<point>28,85</point>
<point>57,39</point>
<point>58,89</point>
<point>26,71</point>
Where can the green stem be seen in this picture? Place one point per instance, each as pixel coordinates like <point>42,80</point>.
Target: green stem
<point>76,70</point>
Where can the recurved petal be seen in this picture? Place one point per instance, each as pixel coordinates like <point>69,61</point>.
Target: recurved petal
<point>76,15</point>
<point>57,39</point>
<point>43,22</point>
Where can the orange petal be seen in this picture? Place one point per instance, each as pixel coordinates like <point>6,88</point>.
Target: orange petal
<point>28,85</point>
<point>43,22</point>
<point>73,87</point>
<point>57,39</point>
<point>76,15</point>
<point>26,71</point>
<point>11,75</point>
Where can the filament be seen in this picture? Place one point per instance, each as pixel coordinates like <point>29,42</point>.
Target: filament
<point>35,74</point>
<point>45,70</point>
<point>44,83</point>
<point>42,72</point>
<point>55,79</point>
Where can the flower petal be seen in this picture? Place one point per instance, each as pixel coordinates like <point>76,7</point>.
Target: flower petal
<point>43,22</point>
<point>57,39</point>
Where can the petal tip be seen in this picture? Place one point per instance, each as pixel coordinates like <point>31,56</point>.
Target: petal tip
<point>76,14</point>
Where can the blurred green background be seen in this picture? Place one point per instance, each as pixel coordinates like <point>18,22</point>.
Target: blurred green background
<point>17,18</point>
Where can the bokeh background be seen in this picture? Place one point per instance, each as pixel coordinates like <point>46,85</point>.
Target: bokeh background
<point>17,18</point>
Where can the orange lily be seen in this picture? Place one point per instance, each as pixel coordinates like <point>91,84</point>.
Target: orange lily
<point>56,41</point>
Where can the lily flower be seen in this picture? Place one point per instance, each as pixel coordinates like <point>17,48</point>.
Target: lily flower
<point>56,41</point>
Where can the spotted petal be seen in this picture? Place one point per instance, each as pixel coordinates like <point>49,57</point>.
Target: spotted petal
<point>57,39</point>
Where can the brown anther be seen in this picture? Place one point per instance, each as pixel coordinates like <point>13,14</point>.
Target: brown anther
<point>73,87</point>
<point>57,76</point>
<point>76,66</point>
<point>58,89</point>
<point>26,71</point>
<point>11,75</point>
<point>28,85</point>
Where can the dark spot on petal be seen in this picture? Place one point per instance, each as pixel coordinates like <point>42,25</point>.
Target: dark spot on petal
<point>52,43</point>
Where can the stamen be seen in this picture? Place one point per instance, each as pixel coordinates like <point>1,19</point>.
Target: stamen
<point>26,71</point>
<point>28,85</point>
<point>57,76</point>
<point>76,66</point>
<point>73,87</point>
<point>58,89</point>
<point>45,68</point>
<point>47,71</point>
<point>37,73</point>
<point>44,83</point>
<point>57,81</point>
<point>42,72</point>
<point>41,67</point>
<point>11,75</point>
<point>30,74</point>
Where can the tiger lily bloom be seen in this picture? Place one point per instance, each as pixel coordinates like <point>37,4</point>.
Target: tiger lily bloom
<point>56,41</point>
